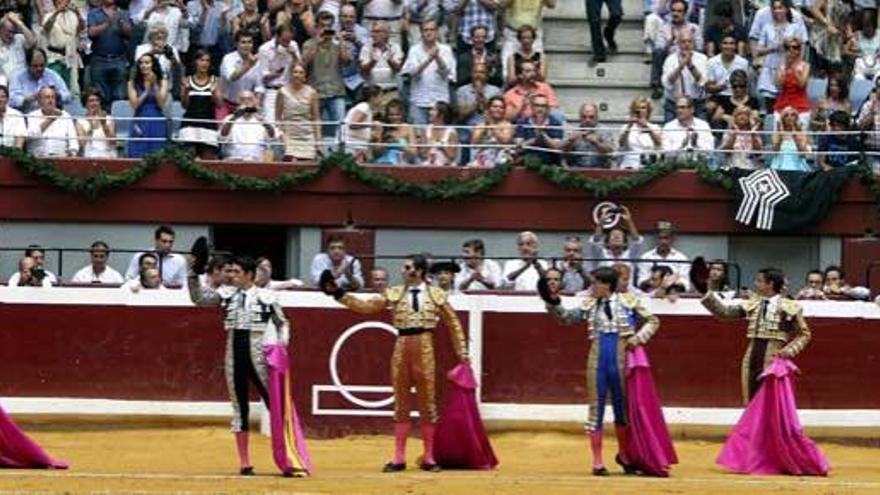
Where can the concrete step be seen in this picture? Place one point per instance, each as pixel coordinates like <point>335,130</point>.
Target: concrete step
<point>575,9</point>
<point>566,67</point>
<point>613,101</point>
<point>572,36</point>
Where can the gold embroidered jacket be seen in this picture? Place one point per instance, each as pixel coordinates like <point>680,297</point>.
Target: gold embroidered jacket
<point>627,312</point>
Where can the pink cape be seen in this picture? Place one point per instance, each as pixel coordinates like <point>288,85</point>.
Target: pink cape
<point>19,451</point>
<point>768,439</point>
<point>288,442</point>
<point>460,441</point>
<point>648,446</point>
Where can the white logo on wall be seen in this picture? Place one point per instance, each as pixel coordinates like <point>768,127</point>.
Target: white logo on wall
<point>604,207</point>
<point>762,191</point>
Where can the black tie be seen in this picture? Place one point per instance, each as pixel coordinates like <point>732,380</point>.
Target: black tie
<point>764,309</point>
<point>415,299</point>
<point>607,307</point>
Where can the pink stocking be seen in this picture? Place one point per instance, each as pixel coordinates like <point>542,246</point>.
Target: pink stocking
<point>622,433</point>
<point>596,447</point>
<point>428,441</point>
<point>401,432</point>
<point>241,443</point>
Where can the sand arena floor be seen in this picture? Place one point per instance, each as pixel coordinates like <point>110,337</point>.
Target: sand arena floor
<point>193,459</point>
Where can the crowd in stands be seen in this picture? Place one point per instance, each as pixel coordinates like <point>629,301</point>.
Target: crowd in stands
<point>432,82</point>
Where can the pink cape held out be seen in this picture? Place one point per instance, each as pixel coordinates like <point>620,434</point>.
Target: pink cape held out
<point>288,442</point>
<point>461,441</point>
<point>768,439</point>
<point>19,451</point>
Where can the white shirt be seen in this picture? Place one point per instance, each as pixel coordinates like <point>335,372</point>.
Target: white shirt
<point>638,142</point>
<point>252,80</point>
<point>87,275</point>
<point>172,268</point>
<point>388,9</point>
<point>682,270</point>
<point>527,280</point>
<point>719,72</point>
<point>12,57</point>
<point>170,17</point>
<point>59,139</point>
<point>137,9</point>
<point>674,136</point>
<point>48,281</point>
<point>598,250</point>
<point>685,84</point>
<point>12,125</point>
<point>96,143</point>
<point>382,75</point>
<point>357,138</point>
<point>247,139</point>
<point>274,56</point>
<point>431,85</point>
<point>210,30</point>
<point>490,270</point>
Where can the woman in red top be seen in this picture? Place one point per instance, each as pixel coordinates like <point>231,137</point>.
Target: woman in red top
<point>791,79</point>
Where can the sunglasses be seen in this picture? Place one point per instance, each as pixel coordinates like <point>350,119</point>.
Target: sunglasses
<point>792,47</point>
<point>685,107</point>
<point>408,268</point>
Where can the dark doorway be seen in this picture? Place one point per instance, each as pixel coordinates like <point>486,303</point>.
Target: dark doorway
<point>255,240</point>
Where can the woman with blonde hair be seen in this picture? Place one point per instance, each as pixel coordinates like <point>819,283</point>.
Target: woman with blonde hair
<point>741,140</point>
<point>495,130</point>
<point>639,138</point>
<point>297,114</point>
<point>790,143</point>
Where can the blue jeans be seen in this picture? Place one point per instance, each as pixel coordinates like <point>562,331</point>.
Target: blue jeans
<point>418,116</point>
<point>110,76</point>
<point>332,109</point>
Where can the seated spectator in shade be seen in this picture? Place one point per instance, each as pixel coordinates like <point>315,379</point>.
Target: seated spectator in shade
<point>525,50</point>
<point>741,143</point>
<point>218,273</point>
<point>358,123</point>
<point>624,280</point>
<point>297,113</point>
<point>13,127</point>
<point>264,277</point>
<point>147,95</point>
<point>444,275</point>
<point>719,279</point>
<point>346,269</point>
<point>477,272</point>
<point>29,275</point>
<point>725,26</point>
<point>523,274</point>
<point>25,85</point>
<point>518,98</point>
<point>480,53</point>
<point>836,99</point>
<point>720,108</point>
<point>620,243</point>
<point>37,256</point>
<point>97,130</point>
<point>587,147</point>
<point>869,120</point>
<point>397,139</point>
<point>491,137</point>
<point>245,134</point>
<point>837,289</point>
<point>141,262</point>
<point>98,272</point>
<point>684,75</point>
<point>147,279</point>
<point>430,66</point>
<point>51,132</point>
<point>378,279</point>
<point>790,143</point>
<point>840,148</point>
<point>540,135</point>
<point>15,39</point>
<point>439,142</point>
<point>664,254</point>
<point>815,282</point>
<point>471,100</point>
<point>575,271</point>
<point>686,132</point>
<point>639,138</point>
<point>165,53</point>
<point>720,67</point>
<point>171,266</point>
<point>663,283</point>
<point>381,60</point>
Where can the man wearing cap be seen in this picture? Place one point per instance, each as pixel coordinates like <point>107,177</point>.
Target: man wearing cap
<point>665,255</point>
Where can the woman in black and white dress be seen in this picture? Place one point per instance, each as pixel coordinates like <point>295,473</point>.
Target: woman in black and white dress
<point>200,95</point>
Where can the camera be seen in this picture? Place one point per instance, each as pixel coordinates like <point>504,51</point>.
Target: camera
<point>250,109</point>
<point>38,273</point>
<point>615,210</point>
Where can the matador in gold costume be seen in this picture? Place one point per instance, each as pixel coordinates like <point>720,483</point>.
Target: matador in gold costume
<point>776,326</point>
<point>416,309</point>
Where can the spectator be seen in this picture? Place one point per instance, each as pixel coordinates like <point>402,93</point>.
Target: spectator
<point>597,34</point>
<point>346,269</point>
<point>440,140</point>
<point>200,97</point>
<point>358,123</point>
<point>863,45</point>
<point>725,26</point>
<point>719,279</point>
<point>767,16</point>
<point>166,55</point>
<point>430,66</point>
<point>51,132</point>
<point>397,139</point>
<point>662,283</point>
<point>472,13</point>
<point>478,52</point>
<point>471,99</point>
<point>741,141</point>
<point>624,280</point>
<point>419,11</point>
<point>639,138</point>
<point>493,134</point>
<point>250,22</point>
<point>836,99</point>
<point>772,44</point>
<point>869,121</point>
<point>790,143</point>
<point>687,133</point>
<point>667,43</point>
<point>245,132</point>
<point>664,254</point>
<point>839,148</point>
<point>381,61</point>
<point>324,57</point>
<point>38,255</point>
<point>518,98</point>
<point>525,50</point>
<point>836,287</point>
<point>379,279</point>
<point>444,273</point>
<point>97,130</point>
<point>29,275</point>
<point>684,74</point>
<point>477,272</point>
<point>25,86</point>
<point>791,81</point>
<point>207,20</point>
<point>353,37</point>
<point>390,12</point>
<point>616,244</point>
<point>297,113</point>
<point>815,282</point>
<point>721,108</point>
<point>523,274</point>
<point>61,29</point>
<point>588,147</point>
<point>147,94</point>
<point>148,278</point>
<point>218,273</point>
<point>13,127</point>
<point>13,45</point>
<point>519,15</point>
<point>144,261</point>
<point>828,33</point>
<point>720,67</point>
<point>575,274</point>
<point>239,72</point>
<point>109,30</point>
<point>171,266</point>
<point>264,277</point>
<point>277,57</point>
<point>167,14</point>
<point>541,135</point>
<point>98,272</point>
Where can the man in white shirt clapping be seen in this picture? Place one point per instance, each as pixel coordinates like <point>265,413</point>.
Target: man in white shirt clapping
<point>98,272</point>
